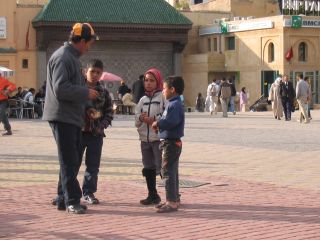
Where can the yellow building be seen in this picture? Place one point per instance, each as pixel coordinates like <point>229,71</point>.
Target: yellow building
<point>17,40</point>
<point>253,52</point>
<point>257,8</point>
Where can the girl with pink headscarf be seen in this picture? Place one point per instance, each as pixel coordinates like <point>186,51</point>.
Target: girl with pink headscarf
<point>149,109</point>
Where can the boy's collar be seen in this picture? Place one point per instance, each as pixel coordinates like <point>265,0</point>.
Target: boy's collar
<point>174,97</point>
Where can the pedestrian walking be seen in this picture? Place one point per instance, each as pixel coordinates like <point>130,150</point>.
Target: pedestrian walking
<point>302,94</point>
<point>233,96</point>
<point>64,109</point>
<point>149,109</point>
<point>307,79</point>
<point>243,99</point>
<point>6,88</point>
<point>287,93</point>
<point>214,98</point>
<point>208,101</point>
<point>200,103</point>
<point>171,129</point>
<point>224,96</point>
<point>275,98</point>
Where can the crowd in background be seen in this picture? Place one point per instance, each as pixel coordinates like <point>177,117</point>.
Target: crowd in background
<point>222,93</point>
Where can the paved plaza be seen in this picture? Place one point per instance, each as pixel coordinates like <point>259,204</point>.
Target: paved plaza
<point>263,177</point>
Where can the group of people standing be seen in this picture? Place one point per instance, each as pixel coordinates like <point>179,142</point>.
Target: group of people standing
<point>78,110</point>
<point>283,97</point>
<point>221,92</point>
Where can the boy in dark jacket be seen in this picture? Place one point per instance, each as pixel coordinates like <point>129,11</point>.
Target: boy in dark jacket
<point>99,115</point>
<point>171,129</point>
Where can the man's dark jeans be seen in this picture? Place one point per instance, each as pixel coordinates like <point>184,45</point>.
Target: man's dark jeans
<point>68,139</point>
<point>93,147</point>
<point>171,150</point>
<point>287,107</point>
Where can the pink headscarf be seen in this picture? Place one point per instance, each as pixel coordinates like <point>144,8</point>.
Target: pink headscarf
<point>157,74</point>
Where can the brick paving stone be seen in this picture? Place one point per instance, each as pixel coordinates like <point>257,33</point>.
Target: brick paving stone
<point>264,184</point>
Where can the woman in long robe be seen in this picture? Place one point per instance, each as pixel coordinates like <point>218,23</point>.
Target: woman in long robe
<point>275,98</point>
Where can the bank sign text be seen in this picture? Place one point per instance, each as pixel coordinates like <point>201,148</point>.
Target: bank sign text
<point>305,6</point>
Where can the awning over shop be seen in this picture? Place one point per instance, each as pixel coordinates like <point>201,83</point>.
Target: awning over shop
<point>6,72</point>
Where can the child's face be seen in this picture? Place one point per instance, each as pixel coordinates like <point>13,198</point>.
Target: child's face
<point>150,83</point>
<point>93,74</point>
<point>168,92</point>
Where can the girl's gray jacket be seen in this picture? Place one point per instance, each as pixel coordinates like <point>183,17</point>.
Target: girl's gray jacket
<point>154,107</point>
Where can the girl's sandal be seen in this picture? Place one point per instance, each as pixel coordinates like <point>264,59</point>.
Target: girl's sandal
<point>166,209</point>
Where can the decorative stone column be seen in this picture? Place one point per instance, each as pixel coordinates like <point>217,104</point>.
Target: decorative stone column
<point>177,58</point>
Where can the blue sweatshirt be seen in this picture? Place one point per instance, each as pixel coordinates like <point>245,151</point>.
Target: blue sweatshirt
<point>171,124</point>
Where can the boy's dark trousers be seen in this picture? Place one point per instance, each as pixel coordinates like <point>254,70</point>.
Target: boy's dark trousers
<point>68,139</point>
<point>93,147</point>
<point>171,150</point>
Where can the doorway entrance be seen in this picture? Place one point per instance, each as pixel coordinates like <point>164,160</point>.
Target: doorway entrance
<point>267,78</point>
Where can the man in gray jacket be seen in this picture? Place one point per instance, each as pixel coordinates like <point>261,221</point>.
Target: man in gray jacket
<point>302,94</point>
<point>66,96</point>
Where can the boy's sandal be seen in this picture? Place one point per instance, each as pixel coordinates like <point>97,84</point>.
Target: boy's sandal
<point>167,209</point>
<point>160,205</point>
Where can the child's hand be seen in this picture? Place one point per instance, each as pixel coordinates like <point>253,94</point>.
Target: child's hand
<point>144,118</point>
<point>93,113</point>
<point>149,120</point>
<point>154,126</point>
<point>90,112</point>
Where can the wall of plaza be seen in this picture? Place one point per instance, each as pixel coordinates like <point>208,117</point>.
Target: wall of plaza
<point>257,8</point>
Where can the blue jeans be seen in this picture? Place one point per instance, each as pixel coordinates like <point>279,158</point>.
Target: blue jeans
<point>3,115</point>
<point>171,150</point>
<point>68,139</point>
<point>231,109</point>
<point>93,147</point>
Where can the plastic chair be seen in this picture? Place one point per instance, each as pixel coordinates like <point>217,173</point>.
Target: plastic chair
<point>27,110</point>
<point>14,108</point>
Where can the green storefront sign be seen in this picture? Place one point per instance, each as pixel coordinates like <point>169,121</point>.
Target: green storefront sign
<point>296,22</point>
<point>224,27</point>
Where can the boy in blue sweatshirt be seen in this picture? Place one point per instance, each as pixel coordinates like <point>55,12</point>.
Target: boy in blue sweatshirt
<point>171,128</point>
